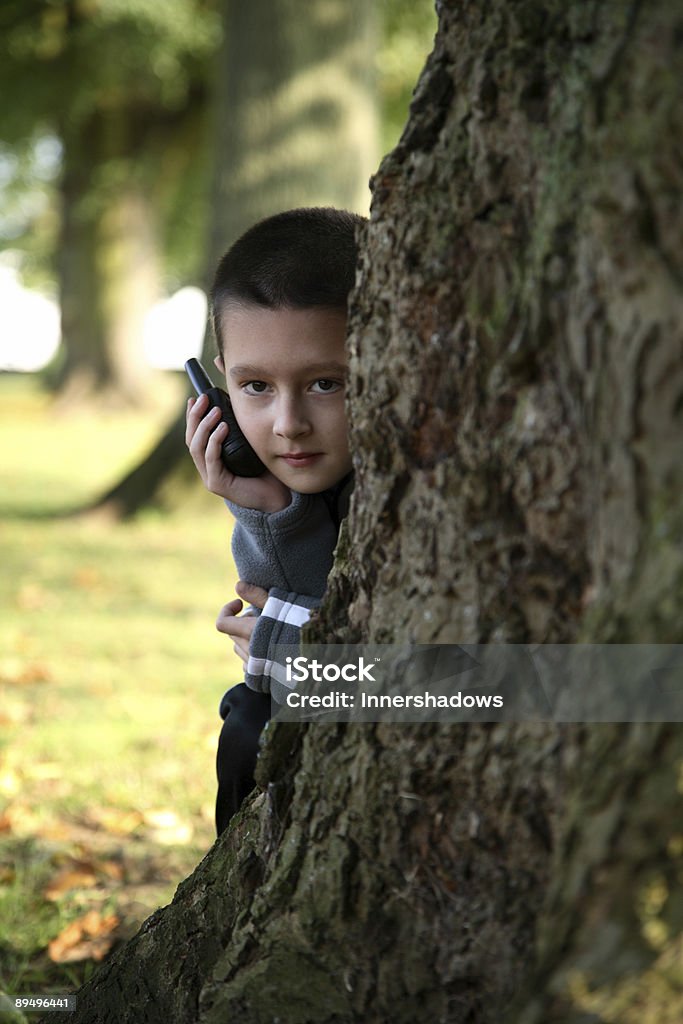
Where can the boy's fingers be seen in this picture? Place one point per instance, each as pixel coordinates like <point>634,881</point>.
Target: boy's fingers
<point>229,611</point>
<point>236,626</point>
<point>213,448</point>
<point>241,650</point>
<point>228,624</point>
<point>193,414</point>
<point>199,428</point>
<point>252,594</point>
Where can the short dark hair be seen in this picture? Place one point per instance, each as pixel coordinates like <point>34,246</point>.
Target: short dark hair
<point>299,259</point>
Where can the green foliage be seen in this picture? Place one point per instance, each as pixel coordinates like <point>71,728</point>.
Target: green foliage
<point>408,30</point>
<point>132,78</point>
<point>123,83</point>
<point>28,212</point>
<point>61,60</point>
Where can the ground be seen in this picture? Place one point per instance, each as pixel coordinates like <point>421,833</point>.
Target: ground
<point>110,674</point>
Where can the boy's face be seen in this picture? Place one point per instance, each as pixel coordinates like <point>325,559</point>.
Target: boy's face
<point>285,371</point>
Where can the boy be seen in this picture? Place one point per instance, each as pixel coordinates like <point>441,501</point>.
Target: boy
<point>279,315</point>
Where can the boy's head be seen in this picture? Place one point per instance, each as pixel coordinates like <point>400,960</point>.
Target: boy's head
<point>299,259</point>
<point>279,312</point>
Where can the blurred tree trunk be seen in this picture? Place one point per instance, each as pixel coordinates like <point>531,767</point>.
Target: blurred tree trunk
<point>121,137</point>
<point>297,122</point>
<point>516,394</point>
<point>108,262</point>
<point>296,125</point>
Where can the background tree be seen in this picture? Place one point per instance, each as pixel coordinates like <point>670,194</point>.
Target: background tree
<point>124,89</point>
<point>515,401</point>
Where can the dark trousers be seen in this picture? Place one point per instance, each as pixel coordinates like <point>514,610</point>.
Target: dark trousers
<point>245,713</point>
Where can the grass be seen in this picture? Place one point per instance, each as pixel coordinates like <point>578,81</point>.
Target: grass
<point>110,676</point>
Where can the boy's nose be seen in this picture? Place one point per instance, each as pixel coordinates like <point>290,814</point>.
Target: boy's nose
<point>291,420</point>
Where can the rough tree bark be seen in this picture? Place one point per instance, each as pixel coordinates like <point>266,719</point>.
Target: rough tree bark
<point>516,396</point>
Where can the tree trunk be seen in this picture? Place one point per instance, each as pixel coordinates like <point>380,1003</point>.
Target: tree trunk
<point>296,125</point>
<point>515,397</point>
<point>108,265</point>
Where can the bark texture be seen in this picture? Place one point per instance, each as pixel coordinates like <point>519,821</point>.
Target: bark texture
<point>516,339</point>
<point>516,397</point>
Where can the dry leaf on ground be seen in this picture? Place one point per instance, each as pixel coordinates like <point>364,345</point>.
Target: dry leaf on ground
<point>83,873</point>
<point>88,938</point>
<point>71,878</point>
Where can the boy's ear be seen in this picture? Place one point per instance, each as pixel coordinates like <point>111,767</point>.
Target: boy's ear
<point>219,364</point>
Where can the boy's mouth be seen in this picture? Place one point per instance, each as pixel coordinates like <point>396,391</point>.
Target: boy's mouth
<point>300,458</point>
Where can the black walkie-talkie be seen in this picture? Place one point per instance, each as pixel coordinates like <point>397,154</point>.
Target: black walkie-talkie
<point>238,456</point>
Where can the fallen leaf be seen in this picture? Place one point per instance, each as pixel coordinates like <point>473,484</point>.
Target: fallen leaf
<point>88,938</point>
<point>71,878</point>
<point>36,672</point>
<point>56,831</point>
<point>88,577</point>
<point>82,873</point>
<point>112,869</point>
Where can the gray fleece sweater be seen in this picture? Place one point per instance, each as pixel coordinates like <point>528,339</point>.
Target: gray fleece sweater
<point>288,553</point>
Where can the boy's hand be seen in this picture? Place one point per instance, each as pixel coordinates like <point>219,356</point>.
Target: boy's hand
<point>204,437</point>
<point>240,627</point>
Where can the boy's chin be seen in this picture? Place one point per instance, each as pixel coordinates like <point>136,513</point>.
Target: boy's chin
<point>307,487</point>
<point>305,483</point>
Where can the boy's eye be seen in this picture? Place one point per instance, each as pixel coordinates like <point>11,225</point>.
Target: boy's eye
<point>255,387</point>
<point>325,385</point>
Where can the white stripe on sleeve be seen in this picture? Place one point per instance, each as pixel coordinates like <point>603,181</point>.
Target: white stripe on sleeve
<point>285,611</point>
<point>273,669</point>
